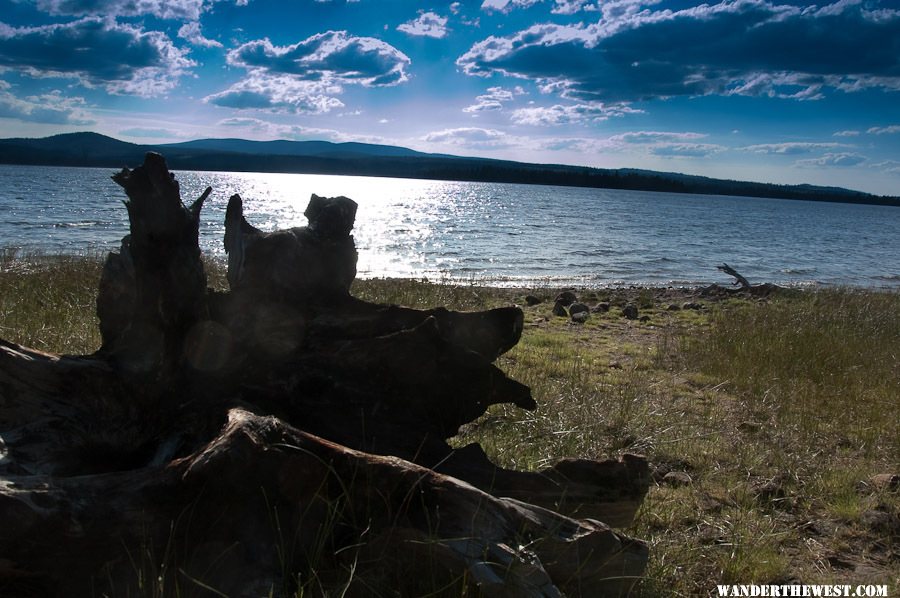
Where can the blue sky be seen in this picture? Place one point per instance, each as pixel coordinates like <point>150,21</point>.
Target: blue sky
<point>778,91</point>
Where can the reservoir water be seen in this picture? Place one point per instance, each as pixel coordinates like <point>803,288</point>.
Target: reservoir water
<point>493,233</point>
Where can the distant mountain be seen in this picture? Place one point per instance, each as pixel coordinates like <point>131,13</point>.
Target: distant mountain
<point>323,157</point>
<point>293,148</point>
<point>69,149</point>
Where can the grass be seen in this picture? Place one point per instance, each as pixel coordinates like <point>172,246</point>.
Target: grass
<point>780,411</point>
<point>48,302</point>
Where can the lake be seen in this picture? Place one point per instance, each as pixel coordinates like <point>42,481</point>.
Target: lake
<point>493,233</point>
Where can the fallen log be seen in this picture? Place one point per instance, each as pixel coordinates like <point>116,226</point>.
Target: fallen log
<point>284,435</point>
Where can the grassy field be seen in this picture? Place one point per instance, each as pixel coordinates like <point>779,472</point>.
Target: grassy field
<point>772,417</point>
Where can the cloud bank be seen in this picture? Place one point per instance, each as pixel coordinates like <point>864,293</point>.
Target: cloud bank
<point>305,77</point>
<point>735,47</point>
<point>575,113</point>
<point>122,59</point>
<point>51,108</point>
<point>472,138</point>
<point>186,10</point>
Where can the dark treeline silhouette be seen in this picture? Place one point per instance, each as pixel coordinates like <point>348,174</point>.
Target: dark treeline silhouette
<point>91,149</point>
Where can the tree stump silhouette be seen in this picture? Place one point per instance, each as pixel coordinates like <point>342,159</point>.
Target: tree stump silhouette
<point>283,435</point>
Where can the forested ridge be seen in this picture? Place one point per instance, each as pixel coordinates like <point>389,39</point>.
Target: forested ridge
<point>319,157</point>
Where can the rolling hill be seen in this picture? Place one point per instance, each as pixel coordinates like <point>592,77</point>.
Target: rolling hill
<point>323,157</point>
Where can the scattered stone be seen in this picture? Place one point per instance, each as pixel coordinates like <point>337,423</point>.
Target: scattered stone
<point>567,298</point>
<point>692,305</point>
<point>532,300</point>
<point>674,307</point>
<point>577,308</point>
<point>677,479</point>
<point>560,310</point>
<point>885,481</point>
<point>644,318</point>
<point>580,317</point>
<point>630,311</point>
<point>615,365</point>
<point>600,308</point>
<point>660,470</point>
<point>713,290</point>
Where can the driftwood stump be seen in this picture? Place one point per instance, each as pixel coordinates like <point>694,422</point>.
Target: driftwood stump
<point>283,435</point>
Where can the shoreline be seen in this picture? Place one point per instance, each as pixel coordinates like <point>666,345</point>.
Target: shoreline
<point>891,283</point>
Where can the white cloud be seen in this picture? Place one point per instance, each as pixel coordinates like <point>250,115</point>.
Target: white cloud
<point>507,5</point>
<point>332,56</point>
<point>686,150</point>
<point>427,24</point>
<point>484,106</point>
<point>791,148</point>
<point>493,99</point>
<point>279,93</point>
<point>472,138</point>
<point>576,144</point>
<point>50,108</point>
<point>847,133</point>
<point>187,10</point>
<point>884,130</point>
<point>574,113</point>
<point>305,77</point>
<point>665,144</point>
<point>842,159</point>
<point>256,127</point>
<point>745,47</point>
<point>191,32</point>
<point>570,7</point>
<point>891,166</point>
<point>649,137</point>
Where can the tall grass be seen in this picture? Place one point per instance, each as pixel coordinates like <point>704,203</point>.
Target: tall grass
<point>822,368</point>
<point>48,302</point>
<point>805,396</point>
<point>422,294</point>
<point>780,412</point>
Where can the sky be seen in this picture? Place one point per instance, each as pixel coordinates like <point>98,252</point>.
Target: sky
<point>781,91</point>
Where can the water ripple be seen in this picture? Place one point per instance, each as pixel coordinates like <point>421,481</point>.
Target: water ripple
<point>495,233</point>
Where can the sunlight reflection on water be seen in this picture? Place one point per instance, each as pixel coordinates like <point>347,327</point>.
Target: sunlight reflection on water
<point>494,233</point>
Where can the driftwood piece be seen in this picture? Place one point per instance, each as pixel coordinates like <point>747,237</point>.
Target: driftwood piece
<point>231,442</point>
<point>745,284</point>
<point>239,514</point>
<point>756,290</point>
